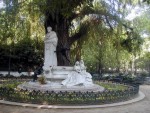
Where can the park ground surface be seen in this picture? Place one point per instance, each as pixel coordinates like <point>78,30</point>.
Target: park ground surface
<point>142,106</point>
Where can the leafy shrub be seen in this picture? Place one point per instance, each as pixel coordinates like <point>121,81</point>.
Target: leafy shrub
<point>42,79</point>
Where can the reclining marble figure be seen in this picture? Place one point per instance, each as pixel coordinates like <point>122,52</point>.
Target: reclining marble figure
<point>78,76</point>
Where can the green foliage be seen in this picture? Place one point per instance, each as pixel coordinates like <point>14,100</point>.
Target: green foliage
<point>148,1</point>
<point>112,86</point>
<point>103,49</point>
<point>93,29</point>
<point>21,36</point>
<point>133,42</point>
<point>11,85</point>
<point>26,53</point>
<point>144,62</point>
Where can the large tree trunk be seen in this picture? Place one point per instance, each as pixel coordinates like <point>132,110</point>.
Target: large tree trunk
<point>132,65</point>
<point>63,49</point>
<point>118,62</point>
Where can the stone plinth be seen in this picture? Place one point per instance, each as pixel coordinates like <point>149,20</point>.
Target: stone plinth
<point>57,73</point>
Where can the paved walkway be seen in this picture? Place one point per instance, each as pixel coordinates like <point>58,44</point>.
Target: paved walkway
<point>138,107</point>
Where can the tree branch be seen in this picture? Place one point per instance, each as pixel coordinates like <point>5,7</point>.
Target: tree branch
<point>82,31</point>
<point>108,23</point>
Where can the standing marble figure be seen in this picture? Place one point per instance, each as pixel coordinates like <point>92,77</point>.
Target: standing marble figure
<point>50,57</point>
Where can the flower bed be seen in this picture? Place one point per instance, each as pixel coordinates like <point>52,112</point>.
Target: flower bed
<point>120,93</point>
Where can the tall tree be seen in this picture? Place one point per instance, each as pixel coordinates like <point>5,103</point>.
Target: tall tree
<point>61,14</point>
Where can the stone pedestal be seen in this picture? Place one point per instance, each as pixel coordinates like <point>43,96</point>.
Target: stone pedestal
<point>57,73</point>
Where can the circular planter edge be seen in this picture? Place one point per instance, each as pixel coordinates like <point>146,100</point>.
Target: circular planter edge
<point>140,96</point>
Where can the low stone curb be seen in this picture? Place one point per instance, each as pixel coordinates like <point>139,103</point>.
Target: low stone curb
<point>140,97</point>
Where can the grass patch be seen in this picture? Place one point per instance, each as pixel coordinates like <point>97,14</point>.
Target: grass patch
<point>111,86</point>
<point>11,85</point>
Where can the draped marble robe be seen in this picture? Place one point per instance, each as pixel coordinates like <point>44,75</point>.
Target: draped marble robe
<point>50,57</point>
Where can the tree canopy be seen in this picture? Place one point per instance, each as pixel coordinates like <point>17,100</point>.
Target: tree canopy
<point>94,30</point>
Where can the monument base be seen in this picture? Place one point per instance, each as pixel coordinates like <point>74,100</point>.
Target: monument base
<point>57,73</point>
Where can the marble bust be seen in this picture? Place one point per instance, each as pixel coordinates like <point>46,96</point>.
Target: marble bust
<point>50,57</point>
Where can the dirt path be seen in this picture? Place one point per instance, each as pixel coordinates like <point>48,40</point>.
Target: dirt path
<point>138,107</point>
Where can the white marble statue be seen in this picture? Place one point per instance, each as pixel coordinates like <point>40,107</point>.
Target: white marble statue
<point>79,76</point>
<point>50,57</point>
<point>88,77</point>
<point>75,77</point>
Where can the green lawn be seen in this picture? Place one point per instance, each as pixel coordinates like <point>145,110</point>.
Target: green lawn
<point>111,86</point>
